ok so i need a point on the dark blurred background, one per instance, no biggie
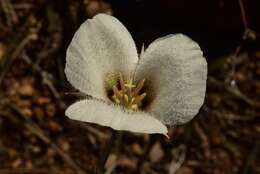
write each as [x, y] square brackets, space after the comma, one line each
[36, 137]
[216, 25]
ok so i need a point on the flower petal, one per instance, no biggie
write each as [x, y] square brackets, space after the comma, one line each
[114, 116]
[101, 45]
[176, 73]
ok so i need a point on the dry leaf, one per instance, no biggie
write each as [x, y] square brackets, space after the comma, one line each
[156, 154]
[184, 170]
[17, 163]
[137, 149]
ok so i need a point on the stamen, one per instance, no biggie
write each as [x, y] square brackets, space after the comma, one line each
[117, 101]
[140, 85]
[139, 98]
[129, 85]
[126, 98]
[122, 83]
[127, 94]
[117, 92]
[134, 107]
[132, 100]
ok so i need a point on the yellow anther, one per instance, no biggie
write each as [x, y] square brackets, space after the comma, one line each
[129, 85]
[132, 100]
[117, 101]
[127, 94]
[134, 107]
[126, 98]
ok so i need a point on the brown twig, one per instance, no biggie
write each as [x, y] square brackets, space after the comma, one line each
[238, 93]
[46, 79]
[234, 117]
[15, 54]
[235, 91]
[25, 171]
[251, 157]
[10, 14]
[22, 6]
[239, 47]
[90, 129]
[204, 139]
[243, 13]
[36, 130]
[95, 131]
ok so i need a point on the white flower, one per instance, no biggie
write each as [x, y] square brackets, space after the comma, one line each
[166, 86]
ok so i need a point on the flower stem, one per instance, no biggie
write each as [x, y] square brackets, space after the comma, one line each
[112, 149]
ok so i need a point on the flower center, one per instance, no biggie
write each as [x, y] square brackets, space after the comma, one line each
[127, 94]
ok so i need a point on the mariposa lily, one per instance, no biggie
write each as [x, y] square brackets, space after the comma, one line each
[163, 86]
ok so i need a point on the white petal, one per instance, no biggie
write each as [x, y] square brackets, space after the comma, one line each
[177, 71]
[101, 45]
[113, 116]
